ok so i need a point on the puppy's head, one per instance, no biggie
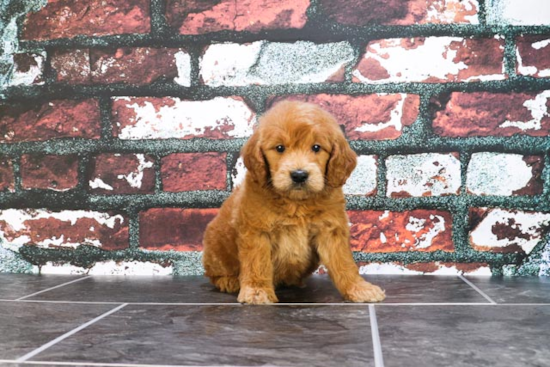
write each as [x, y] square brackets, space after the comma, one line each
[298, 150]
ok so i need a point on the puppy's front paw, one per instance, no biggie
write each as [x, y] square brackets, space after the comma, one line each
[257, 296]
[365, 292]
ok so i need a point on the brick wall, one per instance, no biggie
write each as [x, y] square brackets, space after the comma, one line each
[121, 123]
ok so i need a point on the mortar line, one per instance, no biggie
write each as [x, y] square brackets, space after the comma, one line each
[482, 13]
[68, 334]
[377, 345]
[477, 289]
[49, 289]
[133, 229]
[510, 58]
[17, 177]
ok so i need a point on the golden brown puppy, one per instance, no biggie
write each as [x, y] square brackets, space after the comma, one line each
[289, 214]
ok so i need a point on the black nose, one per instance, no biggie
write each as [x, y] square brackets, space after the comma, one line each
[299, 176]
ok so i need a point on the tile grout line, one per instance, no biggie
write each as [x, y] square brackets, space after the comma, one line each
[277, 304]
[49, 289]
[68, 334]
[477, 289]
[344, 304]
[377, 345]
[99, 364]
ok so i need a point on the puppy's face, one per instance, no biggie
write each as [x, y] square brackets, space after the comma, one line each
[297, 154]
[299, 150]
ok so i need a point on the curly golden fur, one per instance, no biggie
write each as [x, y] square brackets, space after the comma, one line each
[289, 214]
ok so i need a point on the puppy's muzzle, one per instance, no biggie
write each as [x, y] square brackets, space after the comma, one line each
[299, 176]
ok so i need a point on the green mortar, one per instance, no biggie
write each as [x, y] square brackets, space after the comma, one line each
[11, 262]
[417, 138]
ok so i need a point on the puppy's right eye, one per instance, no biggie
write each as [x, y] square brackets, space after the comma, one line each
[280, 148]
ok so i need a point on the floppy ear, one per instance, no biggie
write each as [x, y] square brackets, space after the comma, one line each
[254, 160]
[341, 163]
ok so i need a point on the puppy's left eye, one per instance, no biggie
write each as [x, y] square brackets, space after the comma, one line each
[316, 148]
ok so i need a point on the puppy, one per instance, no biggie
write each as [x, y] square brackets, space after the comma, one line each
[289, 214]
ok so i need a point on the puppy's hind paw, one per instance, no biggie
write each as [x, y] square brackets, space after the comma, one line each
[257, 296]
[365, 292]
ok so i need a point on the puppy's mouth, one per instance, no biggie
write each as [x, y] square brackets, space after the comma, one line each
[299, 192]
[302, 186]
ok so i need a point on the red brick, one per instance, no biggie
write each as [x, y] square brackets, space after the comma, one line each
[137, 118]
[205, 16]
[123, 65]
[399, 12]
[72, 66]
[165, 229]
[194, 171]
[65, 229]
[122, 174]
[505, 230]
[371, 116]
[497, 114]
[533, 54]
[431, 60]
[53, 172]
[7, 181]
[67, 19]
[53, 120]
[415, 230]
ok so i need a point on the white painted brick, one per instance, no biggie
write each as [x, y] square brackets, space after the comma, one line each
[523, 229]
[497, 173]
[386, 268]
[440, 269]
[30, 76]
[239, 172]
[266, 63]
[544, 269]
[17, 228]
[175, 118]
[449, 11]
[518, 12]
[363, 179]
[427, 60]
[108, 268]
[425, 174]
[183, 64]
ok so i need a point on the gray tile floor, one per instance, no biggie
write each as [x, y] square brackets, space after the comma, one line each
[182, 321]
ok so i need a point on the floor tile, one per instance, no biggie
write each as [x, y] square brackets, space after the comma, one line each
[399, 289]
[13, 286]
[224, 335]
[27, 326]
[426, 289]
[319, 289]
[464, 336]
[146, 289]
[514, 289]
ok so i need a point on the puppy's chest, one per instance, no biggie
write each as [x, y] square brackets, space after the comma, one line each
[290, 243]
